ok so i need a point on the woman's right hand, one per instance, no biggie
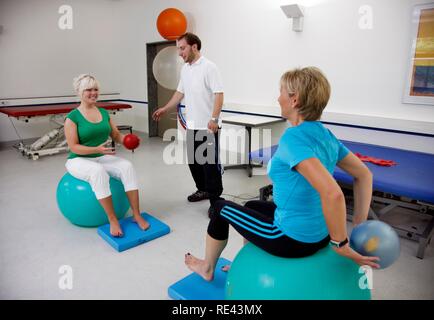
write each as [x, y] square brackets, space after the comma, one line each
[348, 252]
[104, 150]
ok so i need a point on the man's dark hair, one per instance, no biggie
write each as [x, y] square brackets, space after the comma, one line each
[191, 39]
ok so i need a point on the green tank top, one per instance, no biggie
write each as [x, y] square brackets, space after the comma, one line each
[90, 134]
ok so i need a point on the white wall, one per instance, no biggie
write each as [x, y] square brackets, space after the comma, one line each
[38, 59]
[250, 40]
[367, 68]
[355, 128]
[252, 43]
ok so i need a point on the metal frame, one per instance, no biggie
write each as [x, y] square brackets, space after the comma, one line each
[249, 165]
[389, 202]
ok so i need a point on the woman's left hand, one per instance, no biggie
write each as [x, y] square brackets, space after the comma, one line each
[348, 252]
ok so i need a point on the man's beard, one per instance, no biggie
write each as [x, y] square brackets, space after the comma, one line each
[190, 58]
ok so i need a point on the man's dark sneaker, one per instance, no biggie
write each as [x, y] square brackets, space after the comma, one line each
[198, 196]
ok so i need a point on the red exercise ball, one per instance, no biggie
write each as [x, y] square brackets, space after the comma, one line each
[171, 24]
[131, 141]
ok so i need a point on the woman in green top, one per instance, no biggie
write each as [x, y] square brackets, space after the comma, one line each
[87, 129]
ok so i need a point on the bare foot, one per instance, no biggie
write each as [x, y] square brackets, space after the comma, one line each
[115, 229]
[226, 268]
[143, 224]
[199, 266]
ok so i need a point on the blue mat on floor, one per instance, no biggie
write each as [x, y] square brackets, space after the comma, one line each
[133, 235]
[194, 287]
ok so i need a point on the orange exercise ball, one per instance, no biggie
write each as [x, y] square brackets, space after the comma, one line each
[171, 23]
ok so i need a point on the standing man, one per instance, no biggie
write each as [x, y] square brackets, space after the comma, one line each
[201, 86]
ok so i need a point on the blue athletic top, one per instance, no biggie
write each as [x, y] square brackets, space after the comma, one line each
[299, 214]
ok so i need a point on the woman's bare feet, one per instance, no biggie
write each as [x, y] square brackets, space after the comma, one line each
[143, 224]
[199, 266]
[115, 228]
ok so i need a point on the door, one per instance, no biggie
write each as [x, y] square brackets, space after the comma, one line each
[158, 95]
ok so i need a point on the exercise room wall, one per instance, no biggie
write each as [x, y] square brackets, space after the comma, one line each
[366, 67]
[252, 42]
[38, 59]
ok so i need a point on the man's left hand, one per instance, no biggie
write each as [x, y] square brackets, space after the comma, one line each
[212, 126]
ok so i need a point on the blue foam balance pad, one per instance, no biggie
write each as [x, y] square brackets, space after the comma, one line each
[133, 235]
[194, 287]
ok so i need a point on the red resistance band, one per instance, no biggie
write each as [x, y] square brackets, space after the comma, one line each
[380, 162]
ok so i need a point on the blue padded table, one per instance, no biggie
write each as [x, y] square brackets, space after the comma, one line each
[133, 235]
[408, 184]
[194, 287]
[412, 177]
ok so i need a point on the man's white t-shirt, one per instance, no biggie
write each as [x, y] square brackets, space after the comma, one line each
[199, 82]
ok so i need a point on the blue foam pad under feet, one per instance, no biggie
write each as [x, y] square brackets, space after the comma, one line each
[194, 287]
[133, 235]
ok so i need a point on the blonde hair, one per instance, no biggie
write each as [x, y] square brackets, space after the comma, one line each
[84, 82]
[313, 91]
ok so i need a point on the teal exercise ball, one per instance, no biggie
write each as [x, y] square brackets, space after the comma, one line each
[325, 275]
[79, 205]
[376, 238]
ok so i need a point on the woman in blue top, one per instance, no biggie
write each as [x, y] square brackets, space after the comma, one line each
[309, 209]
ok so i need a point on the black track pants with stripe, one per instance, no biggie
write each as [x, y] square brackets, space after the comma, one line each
[255, 222]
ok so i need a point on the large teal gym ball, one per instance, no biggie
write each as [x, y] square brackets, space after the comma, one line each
[325, 275]
[78, 203]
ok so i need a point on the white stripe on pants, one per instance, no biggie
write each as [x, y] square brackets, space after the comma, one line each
[97, 172]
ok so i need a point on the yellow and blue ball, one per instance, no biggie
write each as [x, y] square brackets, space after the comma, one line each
[376, 238]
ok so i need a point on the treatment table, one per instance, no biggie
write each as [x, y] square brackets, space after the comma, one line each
[53, 141]
[409, 184]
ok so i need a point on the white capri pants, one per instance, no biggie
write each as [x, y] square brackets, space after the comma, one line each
[97, 172]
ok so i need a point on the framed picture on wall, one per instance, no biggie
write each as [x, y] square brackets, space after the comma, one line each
[419, 87]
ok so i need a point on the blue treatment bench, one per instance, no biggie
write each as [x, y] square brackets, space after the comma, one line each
[409, 184]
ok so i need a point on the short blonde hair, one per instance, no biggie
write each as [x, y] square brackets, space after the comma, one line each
[84, 82]
[313, 91]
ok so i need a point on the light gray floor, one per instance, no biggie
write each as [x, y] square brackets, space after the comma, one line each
[36, 240]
